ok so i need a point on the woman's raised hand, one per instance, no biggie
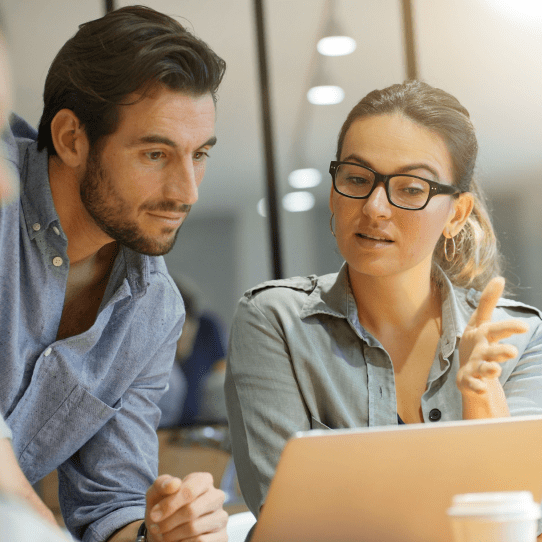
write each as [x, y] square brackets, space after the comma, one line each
[480, 352]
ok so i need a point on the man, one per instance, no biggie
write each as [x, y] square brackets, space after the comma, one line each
[89, 338]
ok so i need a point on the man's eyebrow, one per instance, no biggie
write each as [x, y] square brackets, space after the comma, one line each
[404, 169]
[162, 140]
[211, 142]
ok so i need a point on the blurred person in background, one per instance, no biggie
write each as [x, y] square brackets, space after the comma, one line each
[196, 385]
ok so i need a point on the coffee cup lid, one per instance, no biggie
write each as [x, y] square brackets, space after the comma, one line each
[505, 503]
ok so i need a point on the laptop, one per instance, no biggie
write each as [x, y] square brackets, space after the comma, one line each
[394, 484]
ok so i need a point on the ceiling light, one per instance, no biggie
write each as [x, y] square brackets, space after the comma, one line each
[296, 202]
[325, 95]
[305, 178]
[528, 8]
[336, 46]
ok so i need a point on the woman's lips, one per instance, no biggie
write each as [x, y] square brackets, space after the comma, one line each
[374, 237]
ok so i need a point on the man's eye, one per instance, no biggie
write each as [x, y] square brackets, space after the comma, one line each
[200, 156]
[154, 156]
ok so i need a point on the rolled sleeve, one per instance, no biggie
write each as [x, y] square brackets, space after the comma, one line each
[102, 486]
[523, 387]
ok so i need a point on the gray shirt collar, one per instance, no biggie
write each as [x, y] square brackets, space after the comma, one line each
[333, 296]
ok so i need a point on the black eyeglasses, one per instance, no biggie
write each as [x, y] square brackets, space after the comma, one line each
[403, 191]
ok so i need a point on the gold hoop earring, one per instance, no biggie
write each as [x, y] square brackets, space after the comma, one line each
[449, 258]
[331, 224]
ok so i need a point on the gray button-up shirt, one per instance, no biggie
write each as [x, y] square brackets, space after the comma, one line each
[299, 360]
[85, 404]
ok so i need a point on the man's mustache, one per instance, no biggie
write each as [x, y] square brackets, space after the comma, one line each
[167, 206]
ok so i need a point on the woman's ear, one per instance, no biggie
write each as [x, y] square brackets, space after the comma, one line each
[69, 138]
[331, 199]
[463, 205]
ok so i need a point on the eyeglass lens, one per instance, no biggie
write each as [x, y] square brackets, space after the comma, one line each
[404, 191]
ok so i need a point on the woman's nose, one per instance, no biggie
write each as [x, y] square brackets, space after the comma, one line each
[377, 204]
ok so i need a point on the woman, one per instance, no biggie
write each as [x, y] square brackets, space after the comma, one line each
[402, 333]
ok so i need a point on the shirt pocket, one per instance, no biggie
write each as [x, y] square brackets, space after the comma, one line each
[78, 418]
[316, 424]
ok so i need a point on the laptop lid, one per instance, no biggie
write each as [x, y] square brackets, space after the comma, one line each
[394, 484]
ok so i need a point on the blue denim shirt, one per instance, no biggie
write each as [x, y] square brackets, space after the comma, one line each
[299, 359]
[86, 404]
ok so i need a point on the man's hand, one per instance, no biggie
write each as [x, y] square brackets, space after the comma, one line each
[480, 352]
[189, 509]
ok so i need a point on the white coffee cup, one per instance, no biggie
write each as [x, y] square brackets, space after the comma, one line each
[509, 516]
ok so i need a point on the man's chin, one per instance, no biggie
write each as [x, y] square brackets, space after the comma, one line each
[151, 246]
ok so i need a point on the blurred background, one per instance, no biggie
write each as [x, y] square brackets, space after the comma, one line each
[488, 53]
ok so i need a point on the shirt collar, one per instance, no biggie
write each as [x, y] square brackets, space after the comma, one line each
[36, 196]
[137, 270]
[454, 320]
[333, 296]
[39, 208]
[329, 296]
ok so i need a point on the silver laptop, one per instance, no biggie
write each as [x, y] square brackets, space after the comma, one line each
[394, 484]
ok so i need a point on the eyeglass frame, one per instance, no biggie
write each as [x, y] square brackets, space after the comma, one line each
[435, 188]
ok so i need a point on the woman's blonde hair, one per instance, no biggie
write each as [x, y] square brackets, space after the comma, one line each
[476, 258]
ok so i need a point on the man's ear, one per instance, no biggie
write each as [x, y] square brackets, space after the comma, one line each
[69, 138]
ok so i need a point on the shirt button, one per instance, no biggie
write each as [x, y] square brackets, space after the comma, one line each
[48, 351]
[435, 414]
[56, 230]
[36, 226]
[57, 261]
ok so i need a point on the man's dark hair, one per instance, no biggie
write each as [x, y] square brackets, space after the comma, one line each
[130, 49]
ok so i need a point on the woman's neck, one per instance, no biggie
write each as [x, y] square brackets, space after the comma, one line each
[404, 302]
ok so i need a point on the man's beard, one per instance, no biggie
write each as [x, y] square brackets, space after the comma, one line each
[110, 211]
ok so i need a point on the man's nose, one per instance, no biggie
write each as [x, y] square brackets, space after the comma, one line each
[183, 184]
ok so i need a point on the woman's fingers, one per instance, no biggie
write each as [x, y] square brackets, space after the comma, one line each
[475, 376]
[465, 382]
[501, 330]
[488, 301]
[494, 352]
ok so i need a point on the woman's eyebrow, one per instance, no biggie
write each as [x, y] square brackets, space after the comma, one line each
[421, 165]
[405, 169]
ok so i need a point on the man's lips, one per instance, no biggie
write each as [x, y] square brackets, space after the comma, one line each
[375, 237]
[172, 218]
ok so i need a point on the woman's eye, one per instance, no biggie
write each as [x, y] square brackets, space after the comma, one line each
[358, 180]
[412, 190]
